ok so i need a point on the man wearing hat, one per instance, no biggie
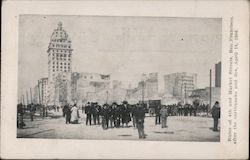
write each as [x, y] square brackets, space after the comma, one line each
[157, 115]
[164, 115]
[112, 114]
[140, 116]
[125, 113]
[104, 114]
[216, 115]
[67, 113]
[88, 114]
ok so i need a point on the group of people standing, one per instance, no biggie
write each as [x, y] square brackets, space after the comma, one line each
[161, 114]
[186, 110]
[108, 116]
[112, 115]
[71, 113]
[30, 110]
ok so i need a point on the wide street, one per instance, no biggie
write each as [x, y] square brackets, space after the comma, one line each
[179, 129]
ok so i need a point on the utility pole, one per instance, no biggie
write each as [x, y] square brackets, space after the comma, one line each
[181, 90]
[185, 92]
[210, 90]
[42, 93]
[23, 99]
[27, 97]
[107, 97]
[142, 92]
[38, 87]
[31, 100]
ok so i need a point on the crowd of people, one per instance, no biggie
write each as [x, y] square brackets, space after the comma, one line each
[108, 116]
[118, 115]
[182, 110]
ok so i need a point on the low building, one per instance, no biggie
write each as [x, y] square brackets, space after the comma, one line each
[89, 87]
[203, 95]
[43, 89]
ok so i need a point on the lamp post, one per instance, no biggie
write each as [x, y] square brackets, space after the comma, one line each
[107, 96]
[143, 86]
[210, 90]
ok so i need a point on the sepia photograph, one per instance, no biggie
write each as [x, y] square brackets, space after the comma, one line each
[119, 78]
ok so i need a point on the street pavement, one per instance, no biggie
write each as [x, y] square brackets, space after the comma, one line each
[179, 129]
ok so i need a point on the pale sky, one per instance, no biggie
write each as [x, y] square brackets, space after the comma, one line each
[124, 47]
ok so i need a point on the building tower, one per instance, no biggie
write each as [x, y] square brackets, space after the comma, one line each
[218, 74]
[59, 66]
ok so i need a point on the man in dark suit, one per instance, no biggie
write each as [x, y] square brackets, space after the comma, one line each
[216, 115]
[88, 113]
[67, 113]
[140, 116]
[157, 115]
[93, 111]
[20, 113]
[98, 108]
[104, 114]
[125, 113]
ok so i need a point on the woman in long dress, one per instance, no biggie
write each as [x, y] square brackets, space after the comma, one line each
[74, 114]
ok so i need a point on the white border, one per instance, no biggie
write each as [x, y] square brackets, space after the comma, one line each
[48, 148]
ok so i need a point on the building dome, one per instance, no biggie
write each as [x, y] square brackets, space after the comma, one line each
[59, 34]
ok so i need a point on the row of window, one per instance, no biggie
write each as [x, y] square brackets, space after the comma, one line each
[58, 35]
[59, 40]
[61, 67]
[59, 45]
[60, 55]
[57, 50]
[91, 77]
[65, 70]
[54, 76]
[61, 59]
[60, 32]
[61, 63]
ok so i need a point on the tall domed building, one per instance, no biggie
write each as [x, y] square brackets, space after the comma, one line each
[59, 66]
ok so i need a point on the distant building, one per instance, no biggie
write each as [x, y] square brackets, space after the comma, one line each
[203, 95]
[147, 89]
[59, 66]
[218, 74]
[119, 94]
[89, 87]
[151, 86]
[180, 84]
[43, 87]
[116, 84]
[35, 95]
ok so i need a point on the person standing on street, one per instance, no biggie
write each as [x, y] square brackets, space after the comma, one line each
[98, 107]
[111, 114]
[164, 116]
[64, 110]
[74, 114]
[20, 113]
[157, 115]
[133, 115]
[88, 114]
[104, 115]
[140, 116]
[67, 113]
[125, 113]
[94, 112]
[32, 111]
[216, 115]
